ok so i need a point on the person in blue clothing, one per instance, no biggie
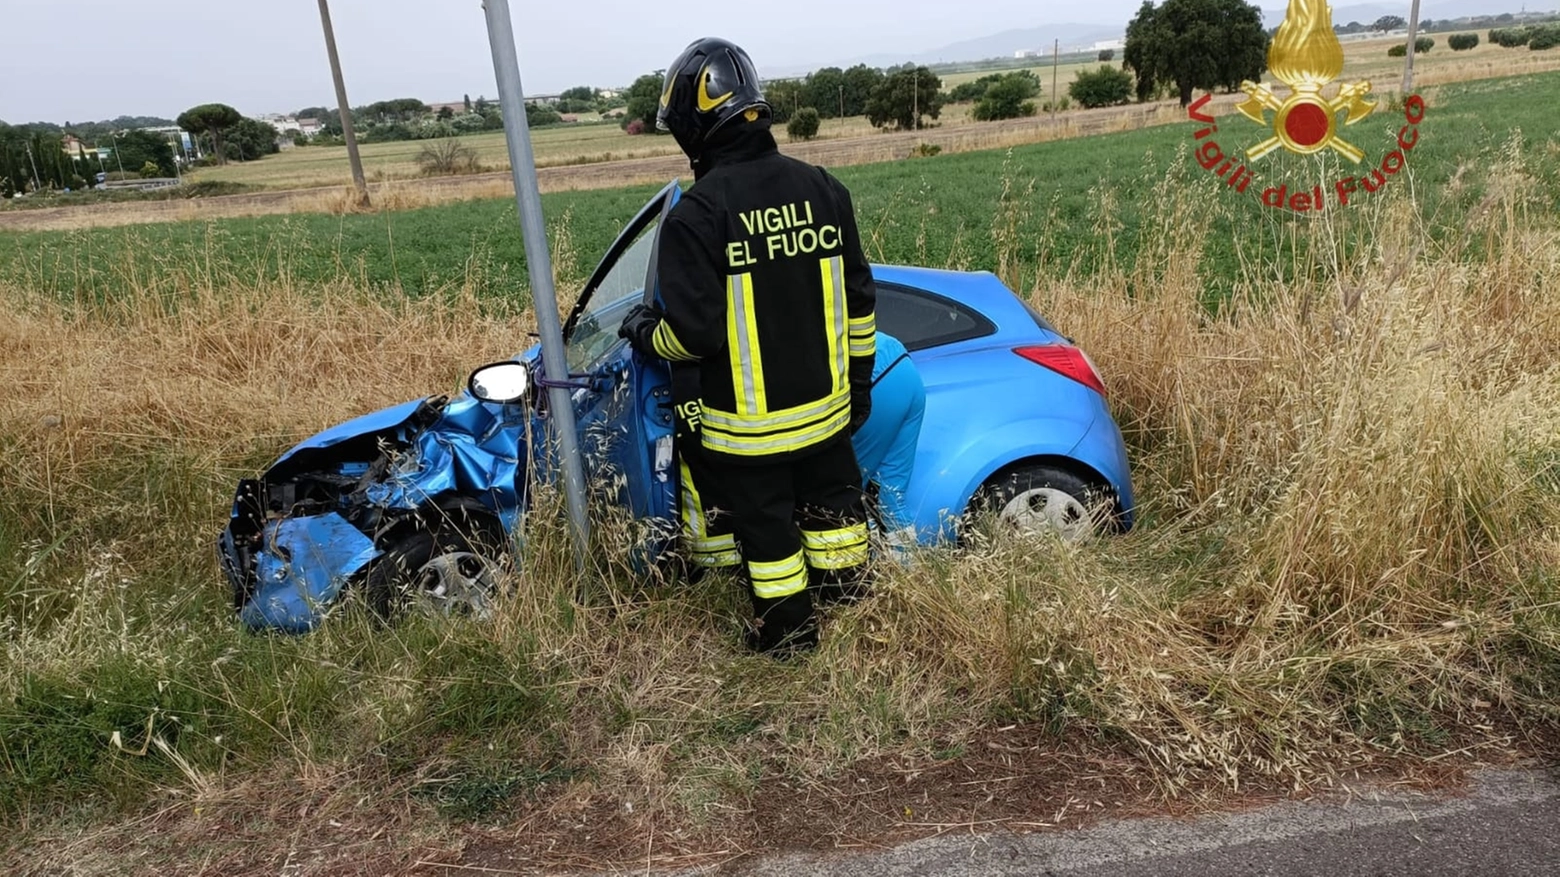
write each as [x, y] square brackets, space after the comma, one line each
[885, 445]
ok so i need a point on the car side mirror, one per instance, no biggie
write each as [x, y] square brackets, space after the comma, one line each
[500, 382]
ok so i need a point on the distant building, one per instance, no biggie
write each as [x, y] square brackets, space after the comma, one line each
[74, 147]
[1105, 45]
[1024, 53]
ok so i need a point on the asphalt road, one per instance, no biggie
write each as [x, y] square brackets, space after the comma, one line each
[1508, 823]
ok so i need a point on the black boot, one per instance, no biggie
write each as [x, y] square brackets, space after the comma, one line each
[783, 627]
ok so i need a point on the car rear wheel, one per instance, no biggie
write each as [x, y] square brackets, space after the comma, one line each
[448, 560]
[1036, 499]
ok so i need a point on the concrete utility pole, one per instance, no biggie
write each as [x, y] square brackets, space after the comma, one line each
[1408, 57]
[528, 199]
[346, 109]
[1056, 59]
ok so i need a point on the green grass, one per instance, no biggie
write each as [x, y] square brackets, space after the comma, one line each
[1213, 638]
[935, 211]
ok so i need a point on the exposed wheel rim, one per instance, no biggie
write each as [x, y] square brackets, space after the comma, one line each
[1048, 510]
[457, 583]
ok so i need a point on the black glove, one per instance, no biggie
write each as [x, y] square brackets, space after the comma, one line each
[639, 325]
[784, 626]
[860, 406]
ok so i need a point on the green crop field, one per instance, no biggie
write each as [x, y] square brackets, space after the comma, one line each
[1344, 435]
[935, 211]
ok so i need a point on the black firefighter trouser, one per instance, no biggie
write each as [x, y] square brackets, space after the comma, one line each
[800, 526]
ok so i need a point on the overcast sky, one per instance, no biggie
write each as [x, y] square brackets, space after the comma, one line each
[85, 60]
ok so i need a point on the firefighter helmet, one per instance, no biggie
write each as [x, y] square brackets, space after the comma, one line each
[712, 82]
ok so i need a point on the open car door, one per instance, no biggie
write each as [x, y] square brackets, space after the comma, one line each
[623, 406]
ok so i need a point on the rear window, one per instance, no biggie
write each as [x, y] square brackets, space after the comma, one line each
[920, 319]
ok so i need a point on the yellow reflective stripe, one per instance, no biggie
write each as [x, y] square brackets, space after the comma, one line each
[833, 269]
[716, 559]
[747, 364]
[866, 325]
[867, 347]
[801, 415]
[778, 578]
[667, 345]
[793, 440]
[715, 551]
[836, 549]
[692, 506]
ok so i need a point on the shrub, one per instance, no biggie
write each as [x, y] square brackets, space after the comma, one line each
[1544, 38]
[1107, 54]
[446, 157]
[1423, 45]
[150, 171]
[1462, 42]
[635, 126]
[1511, 37]
[803, 124]
[1104, 87]
[925, 150]
[1397, 51]
[1007, 99]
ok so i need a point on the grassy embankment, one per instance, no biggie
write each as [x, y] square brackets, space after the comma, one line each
[1349, 465]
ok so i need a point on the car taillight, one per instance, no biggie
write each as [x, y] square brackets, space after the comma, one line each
[1065, 360]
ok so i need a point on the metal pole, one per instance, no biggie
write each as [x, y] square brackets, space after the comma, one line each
[1056, 56]
[1408, 57]
[347, 133]
[528, 200]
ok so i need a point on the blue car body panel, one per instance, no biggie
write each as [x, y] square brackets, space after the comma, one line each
[382, 421]
[306, 563]
[987, 409]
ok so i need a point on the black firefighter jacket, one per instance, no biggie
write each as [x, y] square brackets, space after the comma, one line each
[766, 288]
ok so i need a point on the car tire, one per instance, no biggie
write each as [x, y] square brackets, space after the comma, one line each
[1037, 498]
[448, 560]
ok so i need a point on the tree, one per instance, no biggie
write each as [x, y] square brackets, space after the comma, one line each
[1104, 87]
[784, 97]
[644, 99]
[1387, 23]
[1107, 54]
[860, 81]
[803, 124]
[583, 93]
[904, 97]
[448, 156]
[467, 99]
[313, 113]
[1462, 42]
[536, 116]
[136, 148]
[213, 119]
[250, 139]
[446, 114]
[824, 90]
[1195, 44]
[1423, 45]
[1008, 98]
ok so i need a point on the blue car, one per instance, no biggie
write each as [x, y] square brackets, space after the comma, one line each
[421, 502]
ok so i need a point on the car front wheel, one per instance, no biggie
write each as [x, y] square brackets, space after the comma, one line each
[1036, 499]
[446, 561]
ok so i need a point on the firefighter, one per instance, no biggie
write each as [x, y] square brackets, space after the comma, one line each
[765, 287]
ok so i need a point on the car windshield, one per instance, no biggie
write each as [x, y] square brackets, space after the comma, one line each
[596, 331]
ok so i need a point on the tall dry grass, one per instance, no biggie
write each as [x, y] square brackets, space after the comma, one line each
[1347, 546]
